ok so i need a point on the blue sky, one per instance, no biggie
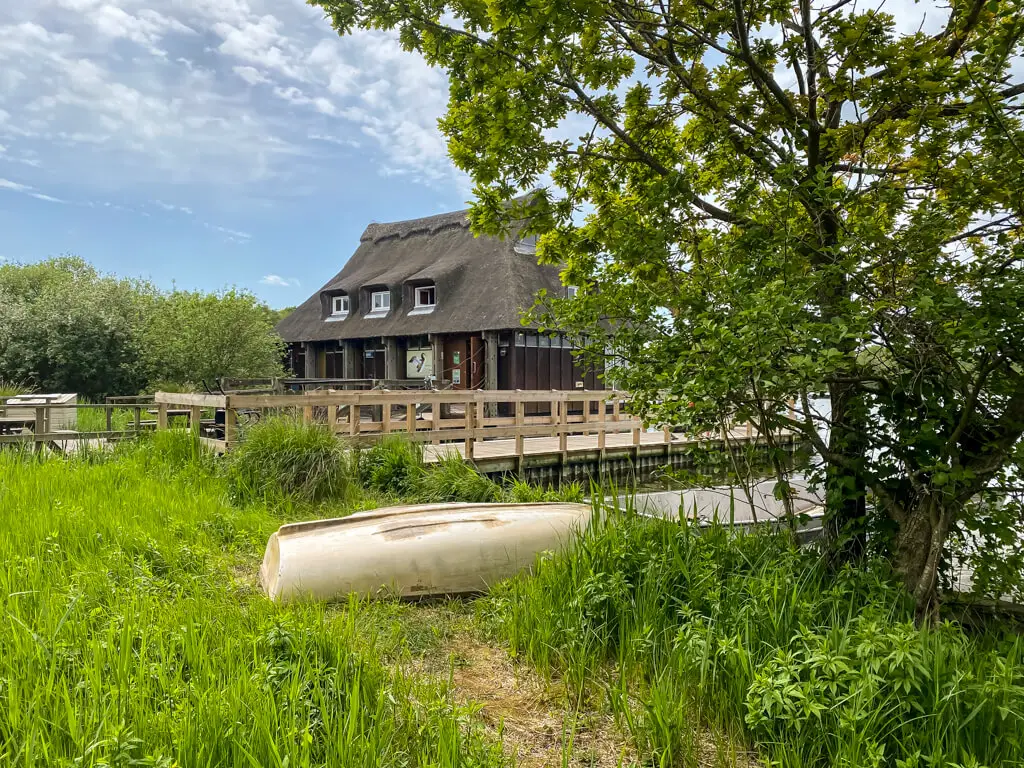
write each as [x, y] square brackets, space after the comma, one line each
[207, 143]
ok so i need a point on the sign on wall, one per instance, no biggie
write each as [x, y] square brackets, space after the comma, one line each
[419, 363]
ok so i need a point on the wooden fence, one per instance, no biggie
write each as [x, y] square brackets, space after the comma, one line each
[468, 417]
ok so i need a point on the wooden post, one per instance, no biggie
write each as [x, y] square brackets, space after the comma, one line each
[385, 419]
[41, 428]
[230, 424]
[616, 404]
[470, 429]
[520, 419]
[109, 411]
[195, 416]
[636, 435]
[161, 416]
[563, 435]
[435, 422]
[354, 416]
[668, 433]
[307, 414]
[410, 418]
[138, 418]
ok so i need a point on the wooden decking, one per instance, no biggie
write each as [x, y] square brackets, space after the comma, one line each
[486, 450]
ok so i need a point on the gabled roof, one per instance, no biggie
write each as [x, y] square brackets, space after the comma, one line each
[482, 283]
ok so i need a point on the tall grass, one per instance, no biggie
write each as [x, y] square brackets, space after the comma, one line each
[133, 635]
[394, 465]
[283, 458]
[754, 635]
[9, 388]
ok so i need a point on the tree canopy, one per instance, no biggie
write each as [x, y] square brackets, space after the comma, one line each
[768, 200]
[64, 327]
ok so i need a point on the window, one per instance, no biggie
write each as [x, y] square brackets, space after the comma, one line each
[571, 291]
[425, 296]
[381, 301]
[339, 305]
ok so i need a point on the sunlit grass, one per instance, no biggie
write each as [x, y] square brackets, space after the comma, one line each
[134, 634]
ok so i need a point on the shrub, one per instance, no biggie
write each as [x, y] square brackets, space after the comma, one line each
[452, 479]
[282, 458]
[394, 465]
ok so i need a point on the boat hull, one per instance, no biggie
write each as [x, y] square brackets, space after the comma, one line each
[414, 551]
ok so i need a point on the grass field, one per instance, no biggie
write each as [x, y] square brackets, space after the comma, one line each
[134, 634]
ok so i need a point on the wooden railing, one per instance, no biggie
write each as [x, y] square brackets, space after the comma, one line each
[432, 416]
[39, 423]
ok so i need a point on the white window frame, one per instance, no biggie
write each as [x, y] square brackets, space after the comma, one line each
[385, 302]
[571, 291]
[420, 305]
[341, 311]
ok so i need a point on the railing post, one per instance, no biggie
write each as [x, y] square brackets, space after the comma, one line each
[138, 418]
[41, 428]
[354, 416]
[161, 416]
[230, 424]
[410, 418]
[470, 429]
[195, 417]
[109, 411]
[563, 434]
[435, 421]
[385, 419]
[520, 419]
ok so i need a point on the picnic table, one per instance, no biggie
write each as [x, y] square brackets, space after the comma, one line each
[10, 425]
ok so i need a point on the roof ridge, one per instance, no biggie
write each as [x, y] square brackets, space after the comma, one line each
[424, 225]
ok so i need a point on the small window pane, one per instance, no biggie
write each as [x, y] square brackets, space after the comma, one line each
[381, 301]
[571, 291]
[425, 296]
[340, 305]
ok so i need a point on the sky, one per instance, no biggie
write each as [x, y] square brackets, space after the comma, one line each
[208, 143]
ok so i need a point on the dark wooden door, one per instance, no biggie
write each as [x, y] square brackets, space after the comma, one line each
[477, 359]
[373, 364]
[456, 363]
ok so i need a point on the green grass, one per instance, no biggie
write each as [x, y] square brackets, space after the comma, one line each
[134, 635]
[283, 459]
[754, 636]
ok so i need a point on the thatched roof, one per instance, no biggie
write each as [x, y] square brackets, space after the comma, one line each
[482, 283]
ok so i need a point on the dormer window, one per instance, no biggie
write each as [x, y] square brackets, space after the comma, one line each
[425, 297]
[380, 301]
[571, 291]
[339, 306]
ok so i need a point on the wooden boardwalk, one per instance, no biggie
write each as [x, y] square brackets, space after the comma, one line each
[487, 450]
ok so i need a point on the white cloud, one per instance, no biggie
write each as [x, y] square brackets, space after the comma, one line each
[278, 281]
[174, 208]
[233, 234]
[251, 75]
[13, 185]
[120, 93]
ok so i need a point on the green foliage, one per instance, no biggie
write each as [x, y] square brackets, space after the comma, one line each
[64, 327]
[393, 465]
[762, 201]
[518, 491]
[285, 459]
[816, 668]
[10, 388]
[452, 479]
[130, 639]
[197, 337]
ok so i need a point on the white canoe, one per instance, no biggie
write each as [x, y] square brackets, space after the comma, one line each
[414, 551]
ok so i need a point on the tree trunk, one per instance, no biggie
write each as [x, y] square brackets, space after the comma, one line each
[919, 547]
[845, 489]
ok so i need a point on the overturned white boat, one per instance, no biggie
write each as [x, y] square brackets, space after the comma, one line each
[414, 551]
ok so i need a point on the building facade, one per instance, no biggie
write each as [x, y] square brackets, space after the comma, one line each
[425, 299]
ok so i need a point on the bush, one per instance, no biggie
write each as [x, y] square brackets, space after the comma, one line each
[394, 465]
[452, 479]
[282, 458]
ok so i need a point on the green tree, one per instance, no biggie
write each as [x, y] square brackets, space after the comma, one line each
[64, 327]
[768, 200]
[194, 337]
